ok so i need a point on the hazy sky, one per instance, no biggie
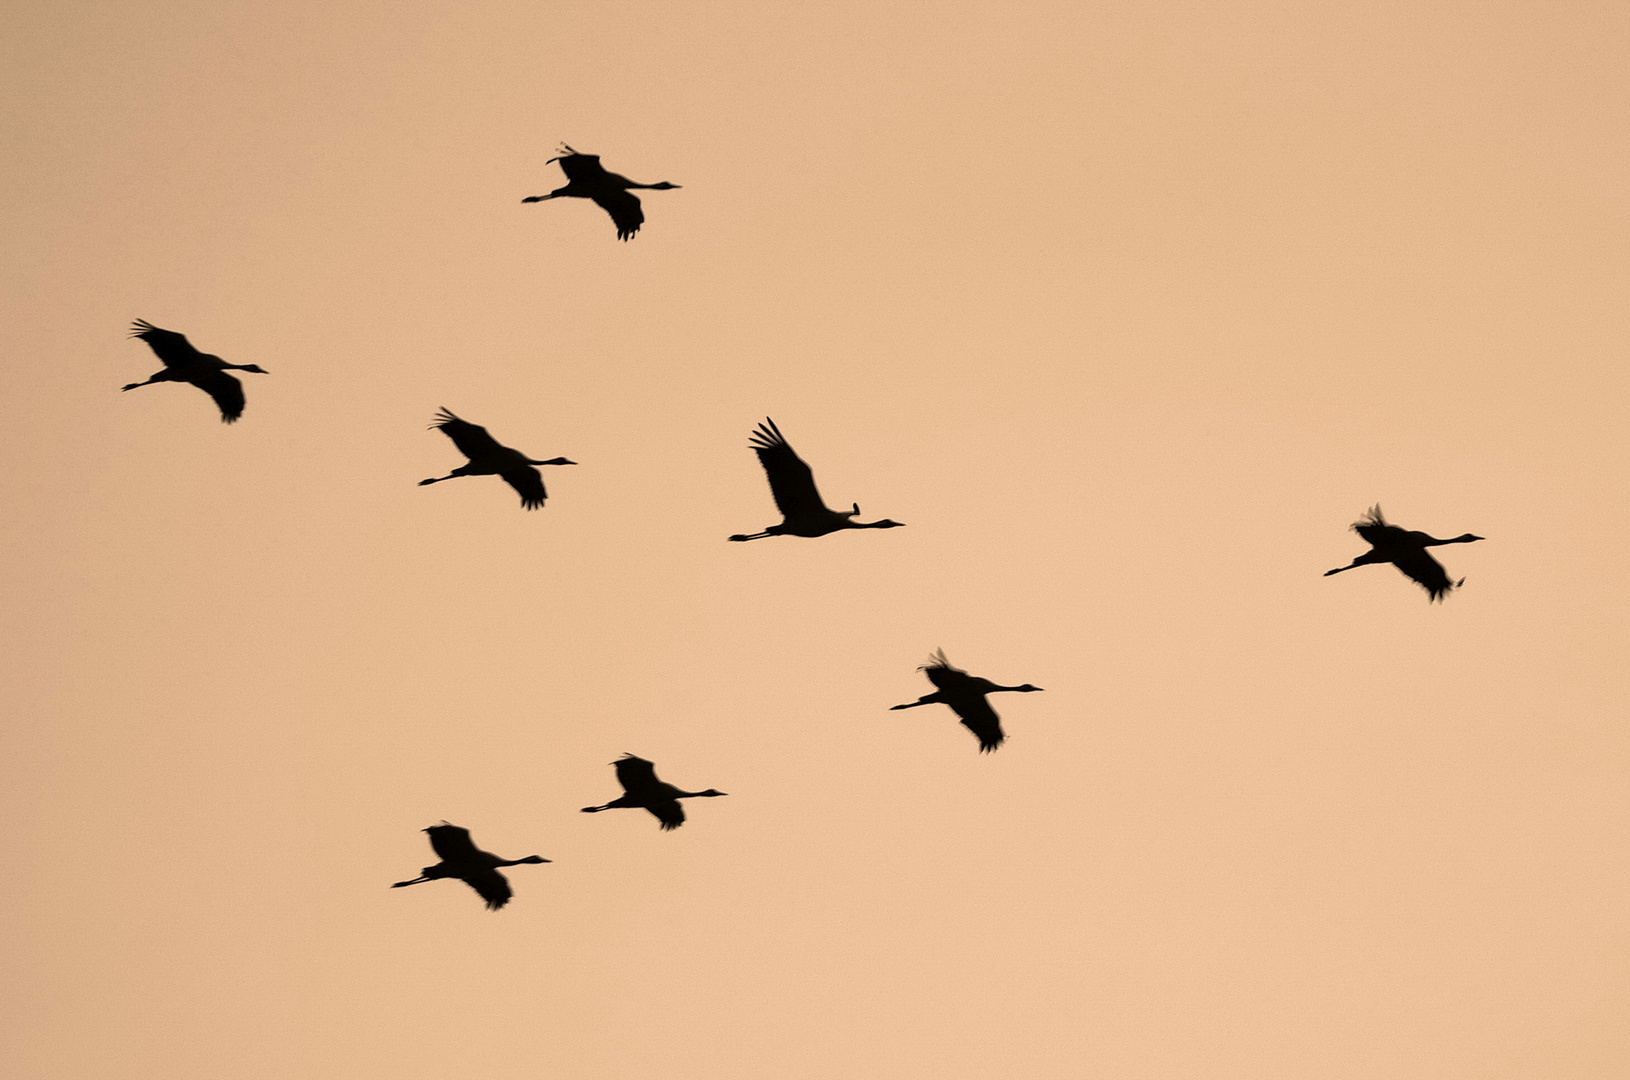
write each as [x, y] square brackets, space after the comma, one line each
[1126, 309]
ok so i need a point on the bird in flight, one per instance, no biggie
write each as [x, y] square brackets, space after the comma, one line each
[965, 694]
[183, 363]
[586, 178]
[803, 513]
[488, 457]
[461, 859]
[641, 788]
[1407, 551]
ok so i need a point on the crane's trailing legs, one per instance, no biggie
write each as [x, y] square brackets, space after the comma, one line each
[1366, 559]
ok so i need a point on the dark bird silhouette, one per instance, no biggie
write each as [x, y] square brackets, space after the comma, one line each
[586, 178]
[183, 363]
[461, 859]
[803, 512]
[488, 457]
[1407, 551]
[641, 788]
[965, 694]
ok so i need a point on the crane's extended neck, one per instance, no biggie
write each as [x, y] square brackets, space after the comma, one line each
[1463, 538]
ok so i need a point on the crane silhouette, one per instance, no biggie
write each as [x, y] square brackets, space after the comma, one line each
[461, 859]
[965, 694]
[1407, 551]
[489, 457]
[184, 363]
[586, 178]
[641, 788]
[803, 512]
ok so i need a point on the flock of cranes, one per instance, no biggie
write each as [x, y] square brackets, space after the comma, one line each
[803, 513]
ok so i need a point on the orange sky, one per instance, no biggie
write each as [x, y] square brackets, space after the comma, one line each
[1126, 309]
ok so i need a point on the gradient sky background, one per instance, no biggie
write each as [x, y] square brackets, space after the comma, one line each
[1126, 309]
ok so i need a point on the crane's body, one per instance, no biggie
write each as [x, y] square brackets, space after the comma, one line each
[184, 363]
[489, 457]
[586, 178]
[1406, 550]
[965, 695]
[461, 859]
[792, 483]
[642, 790]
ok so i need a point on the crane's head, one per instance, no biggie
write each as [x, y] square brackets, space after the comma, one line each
[1027, 689]
[256, 368]
[663, 186]
[710, 793]
[533, 859]
[552, 461]
[1466, 538]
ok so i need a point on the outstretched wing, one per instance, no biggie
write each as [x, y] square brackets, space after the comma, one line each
[978, 717]
[226, 390]
[529, 483]
[791, 481]
[1375, 529]
[670, 813]
[452, 843]
[472, 440]
[172, 348]
[943, 675]
[624, 208]
[636, 774]
[582, 168]
[493, 887]
[1425, 571]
